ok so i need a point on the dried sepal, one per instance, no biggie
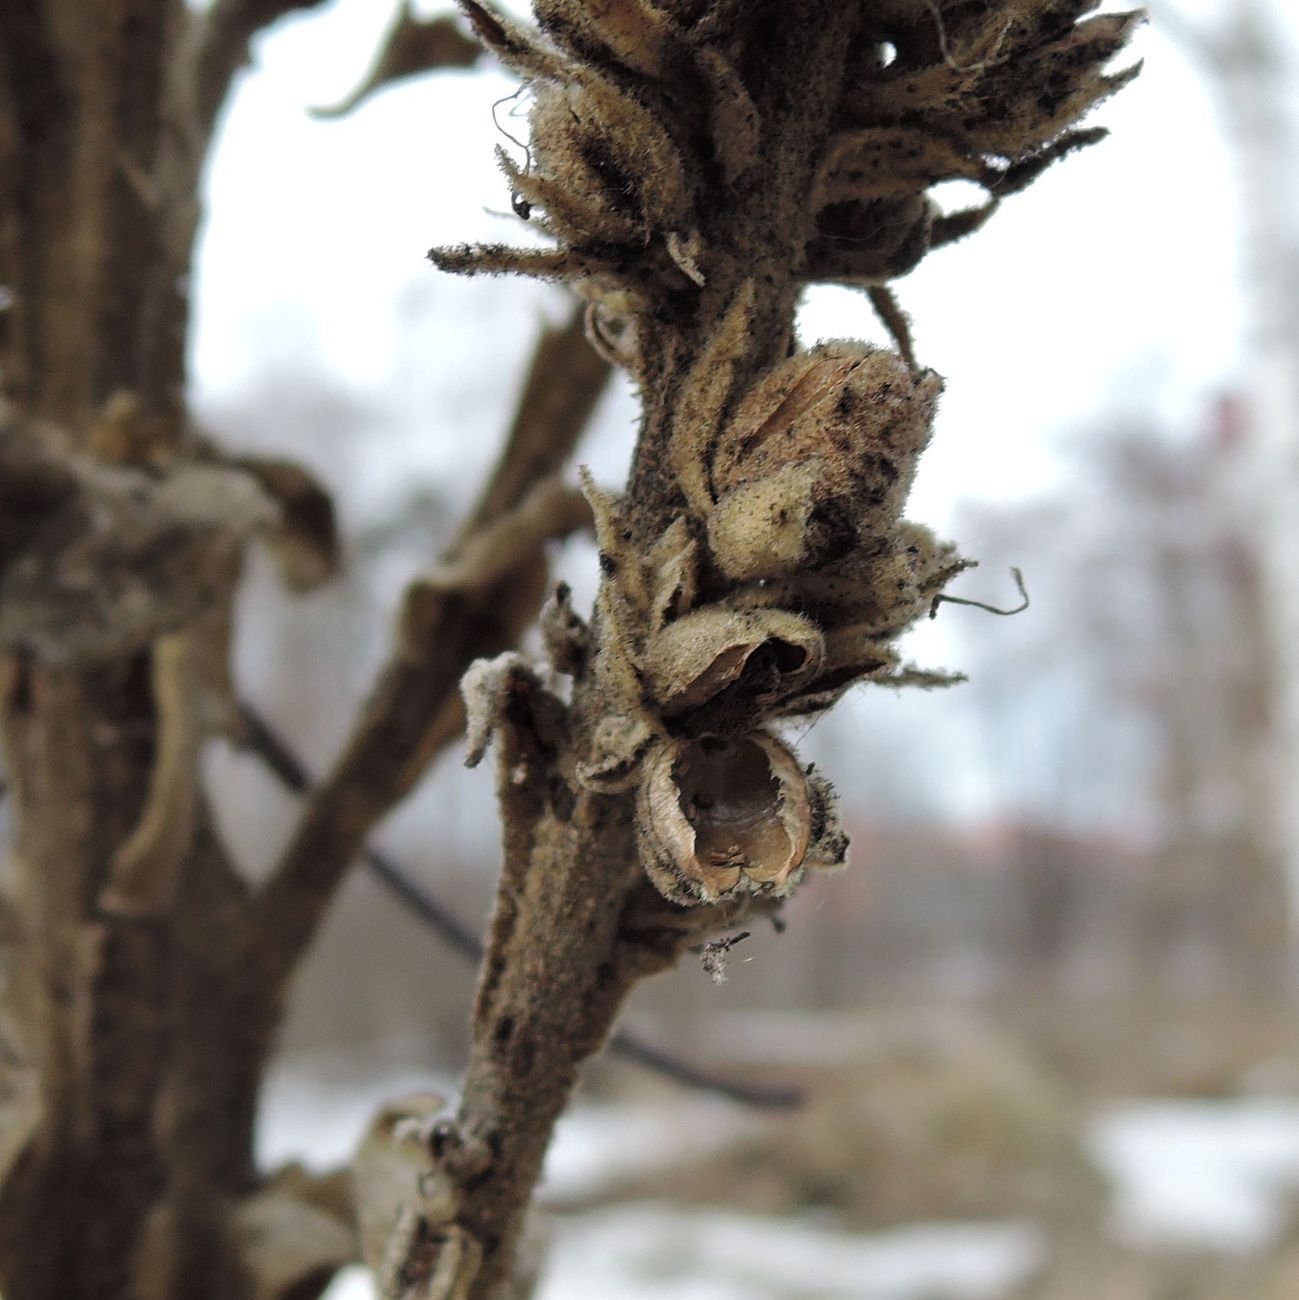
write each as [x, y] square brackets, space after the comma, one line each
[565, 634]
[624, 597]
[872, 241]
[568, 155]
[733, 117]
[813, 404]
[692, 660]
[520, 48]
[568, 264]
[852, 656]
[953, 226]
[882, 587]
[569, 211]
[862, 603]
[974, 92]
[723, 816]
[607, 516]
[1006, 78]
[1019, 175]
[880, 162]
[1056, 84]
[925, 679]
[828, 849]
[765, 528]
[674, 573]
[638, 142]
[595, 137]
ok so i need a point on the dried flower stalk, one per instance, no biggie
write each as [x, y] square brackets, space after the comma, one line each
[698, 162]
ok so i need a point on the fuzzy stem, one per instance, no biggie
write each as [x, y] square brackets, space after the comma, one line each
[561, 956]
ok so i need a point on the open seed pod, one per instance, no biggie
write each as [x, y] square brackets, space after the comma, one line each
[696, 657]
[718, 816]
[820, 454]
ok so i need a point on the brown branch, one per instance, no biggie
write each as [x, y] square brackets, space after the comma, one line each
[411, 46]
[273, 749]
[221, 49]
[442, 632]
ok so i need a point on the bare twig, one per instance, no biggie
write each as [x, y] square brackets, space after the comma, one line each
[500, 259]
[895, 320]
[271, 747]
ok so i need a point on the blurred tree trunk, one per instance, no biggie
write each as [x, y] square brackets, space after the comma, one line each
[1250, 70]
[130, 1080]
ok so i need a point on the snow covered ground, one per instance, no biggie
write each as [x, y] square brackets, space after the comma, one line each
[654, 1251]
[660, 1251]
[1204, 1175]
[1217, 1176]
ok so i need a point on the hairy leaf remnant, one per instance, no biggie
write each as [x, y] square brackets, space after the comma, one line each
[698, 163]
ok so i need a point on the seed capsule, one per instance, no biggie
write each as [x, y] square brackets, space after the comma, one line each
[818, 456]
[723, 815]
[698, 656]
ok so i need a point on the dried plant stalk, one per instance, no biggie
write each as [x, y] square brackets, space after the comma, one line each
[698, 163]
